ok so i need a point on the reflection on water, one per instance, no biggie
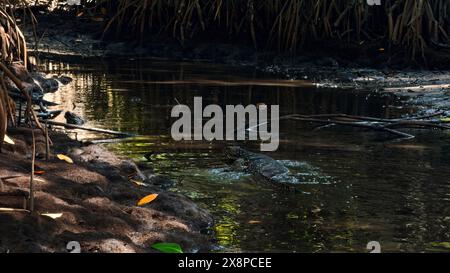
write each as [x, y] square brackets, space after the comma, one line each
[354, 186]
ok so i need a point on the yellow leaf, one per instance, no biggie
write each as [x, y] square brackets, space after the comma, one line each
[53, 215]
[253, 222]
[80, 14]
[65, 158]
[445, 119]
[8, 140]
[39, 172]
[147, 199]
[139, 183]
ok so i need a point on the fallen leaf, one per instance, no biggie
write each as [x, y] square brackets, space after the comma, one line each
[139, 183]
[147, 199]
[445, 119]
[254, 222]
[39, 172]
[80, 14]
[53, 215]
[168, 247]
[65, 158]
[8, 140]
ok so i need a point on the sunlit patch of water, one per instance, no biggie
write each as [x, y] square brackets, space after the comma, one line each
[353, 186]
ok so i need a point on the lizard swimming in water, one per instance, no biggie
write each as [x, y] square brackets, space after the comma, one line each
[259, 164]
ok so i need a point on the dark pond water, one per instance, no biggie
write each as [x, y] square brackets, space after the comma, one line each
[354, 186]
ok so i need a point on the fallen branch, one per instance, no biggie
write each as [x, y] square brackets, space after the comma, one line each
[73, 126]
[376, 126]
[33, 159]
[13, 210]
[416, 124]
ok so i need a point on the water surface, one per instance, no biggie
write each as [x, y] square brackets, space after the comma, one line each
[354, 186]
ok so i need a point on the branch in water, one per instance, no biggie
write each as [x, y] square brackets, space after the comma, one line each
[375, 124]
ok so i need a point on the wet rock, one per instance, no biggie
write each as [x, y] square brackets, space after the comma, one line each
[27, 82]
[63, 79]
[49, 114]
[129, 167]
[73, 118]
[147, 175]
[47, 84]
[161, 181]
[33, 89]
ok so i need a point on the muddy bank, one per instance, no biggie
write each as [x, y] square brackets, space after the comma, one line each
[97, 199]
[63, 35]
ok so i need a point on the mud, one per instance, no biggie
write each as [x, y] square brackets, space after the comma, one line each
[97, 200]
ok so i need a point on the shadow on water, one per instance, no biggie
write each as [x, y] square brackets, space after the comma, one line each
[355, 186]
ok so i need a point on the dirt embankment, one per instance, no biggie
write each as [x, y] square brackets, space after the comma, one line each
[97, 200]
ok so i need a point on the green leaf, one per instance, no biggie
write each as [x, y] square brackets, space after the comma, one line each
[440, 245]
[445, 119]
[168, 247]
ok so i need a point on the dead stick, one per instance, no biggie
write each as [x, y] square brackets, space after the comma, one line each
[33, 156]
[73, 126]
[378, 127]
[347, 117]
[47, 144]
[13, 210]
[416, 123]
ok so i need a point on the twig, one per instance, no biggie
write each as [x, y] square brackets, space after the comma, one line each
[345, 116]
[371, 126]
[413, 124]
[47, 144]
[33, 156]
[13, 210]
[73, 126]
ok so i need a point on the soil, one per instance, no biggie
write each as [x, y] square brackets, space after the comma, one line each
[97, 200]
